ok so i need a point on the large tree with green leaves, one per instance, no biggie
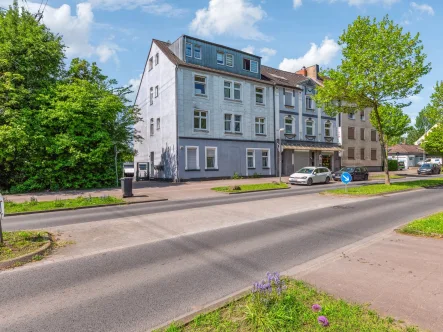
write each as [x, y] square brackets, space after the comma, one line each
[394, 123]
[423, 122]
[381, 65]
[433, 142]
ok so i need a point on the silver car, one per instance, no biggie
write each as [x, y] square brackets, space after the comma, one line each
[310, 175]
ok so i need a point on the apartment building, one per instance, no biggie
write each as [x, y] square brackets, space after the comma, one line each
[207, 111]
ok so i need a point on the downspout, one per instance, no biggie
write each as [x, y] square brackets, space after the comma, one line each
[276, 126]
[176, 126]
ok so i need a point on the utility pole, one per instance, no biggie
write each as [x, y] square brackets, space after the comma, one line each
[116, 171]
[2, 213]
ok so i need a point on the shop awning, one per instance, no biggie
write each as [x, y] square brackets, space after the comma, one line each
[302, 147]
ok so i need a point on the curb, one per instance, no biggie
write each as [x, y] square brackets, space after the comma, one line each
[25, 258]
[83, 207]
[325, 193]
[256, 191]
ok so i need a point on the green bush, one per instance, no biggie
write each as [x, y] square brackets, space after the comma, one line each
[236, 176]
[392, 165]
[256, 176]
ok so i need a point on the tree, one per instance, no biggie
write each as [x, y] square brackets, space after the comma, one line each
[433, 142]
[423, 122]
[394, 123]
[381, 65]
[434, 110]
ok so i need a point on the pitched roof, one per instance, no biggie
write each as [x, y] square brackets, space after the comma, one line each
[281, 77]
[164, 47]
[405, 149]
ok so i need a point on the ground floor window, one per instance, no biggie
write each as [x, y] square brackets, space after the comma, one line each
[265, 158]
[192, 162]
[211, 158]
[251, 158]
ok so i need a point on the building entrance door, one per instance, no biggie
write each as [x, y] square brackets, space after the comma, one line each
[327, 161]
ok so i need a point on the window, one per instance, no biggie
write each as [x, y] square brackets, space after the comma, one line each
[265, 159]
[351, 116]
[220, 58]
[228, 119]
[310, 127]
[189, 50]
[237, 123]
[309, 103]
[151, 127]
[288, 125]
[260, 126]
[362, 153]
[211, 158]
[157, 59]
[362, 115]
[232, 90]
[151, 95]
[200, 120]
[156, 91]
[373, 135]
[259, 95]
[373, 154]
[229, 60]
[200, 85]
[192, 158]
[328, 127]
[151, 63]
[158, 123]
[288, 97]
[251, 158]
[197, 52]
[250, 65]
[362, 134]
[351, 153]
[351, 133]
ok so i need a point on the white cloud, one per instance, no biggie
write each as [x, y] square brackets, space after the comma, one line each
[249, 49]
[424, 8]
[360, 3]
[322, 55]
[156, 7]
[164, 9]
[231, 17]
[135, 83]
[297, 3]
[266, 53]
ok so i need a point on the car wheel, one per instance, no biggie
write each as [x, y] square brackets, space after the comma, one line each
[327, 180]
[309, 182]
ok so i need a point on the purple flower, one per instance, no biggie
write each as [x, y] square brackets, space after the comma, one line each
[316, 307]
[323, 320]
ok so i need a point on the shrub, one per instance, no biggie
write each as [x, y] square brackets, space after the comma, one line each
[236, 176]
[392, 165]
[256, 176]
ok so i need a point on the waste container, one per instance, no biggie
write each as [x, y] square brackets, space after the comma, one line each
[126, 187]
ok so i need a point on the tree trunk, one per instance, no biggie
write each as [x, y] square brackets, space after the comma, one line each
[383, 144]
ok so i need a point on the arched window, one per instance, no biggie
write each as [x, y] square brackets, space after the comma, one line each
[328, 129]
[310, 127]
[289, 121]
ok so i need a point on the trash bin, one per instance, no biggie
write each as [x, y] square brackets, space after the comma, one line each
[126, 187]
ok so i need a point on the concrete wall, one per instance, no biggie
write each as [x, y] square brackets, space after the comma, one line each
[163, 141]
[231, 158]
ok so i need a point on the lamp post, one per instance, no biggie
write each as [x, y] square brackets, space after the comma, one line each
[279, 131]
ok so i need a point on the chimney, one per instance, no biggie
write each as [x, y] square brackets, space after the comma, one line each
[302, 71]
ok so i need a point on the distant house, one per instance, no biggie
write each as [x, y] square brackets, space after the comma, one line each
[410, 154]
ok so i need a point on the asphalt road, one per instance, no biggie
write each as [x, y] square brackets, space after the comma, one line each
[137, 288]
[52, 219]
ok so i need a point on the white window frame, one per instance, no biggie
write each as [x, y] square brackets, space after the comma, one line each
[268, 151]
[235, 121]
[312, 127]
[151, 95]
[206, 157]
[292, 124]
[151, 127]
[197, 157]
[223, 57]
[206, 85]
[364, 115]
[351, 116]
[263, 95]
[186, 50]
[226, 60]
[285, 91]
[157, 58]
[250, 66]
[253, 158]
[200, 117]
[156, 91]
[232, 90]
[158, 123]
[151, 63]
[310, 104]
[260, 124]
[200, 51]
[230, 123]
[330, 128]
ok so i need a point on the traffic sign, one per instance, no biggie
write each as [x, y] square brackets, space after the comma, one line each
[346, 177]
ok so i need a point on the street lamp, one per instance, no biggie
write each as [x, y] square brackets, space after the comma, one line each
[279, 131]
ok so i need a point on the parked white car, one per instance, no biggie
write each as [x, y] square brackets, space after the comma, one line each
[310, 175]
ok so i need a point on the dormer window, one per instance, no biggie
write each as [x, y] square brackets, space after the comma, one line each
[229, 60]
[189, 50]
[197, 52]
[250, 65]
[220, 58]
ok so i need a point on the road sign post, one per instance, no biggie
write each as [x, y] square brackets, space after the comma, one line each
[346, 178]
[2, 213]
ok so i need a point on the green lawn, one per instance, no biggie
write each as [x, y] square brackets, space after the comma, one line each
[251, 187]
[21, 243]
[382, 176]
[291, 311]
[376, 189]
[35, 205]
[431, 226]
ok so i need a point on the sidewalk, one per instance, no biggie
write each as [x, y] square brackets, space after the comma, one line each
[399, 276]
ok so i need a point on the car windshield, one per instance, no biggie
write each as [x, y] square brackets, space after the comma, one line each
[426, 166]
[305, 170]
[347, 169]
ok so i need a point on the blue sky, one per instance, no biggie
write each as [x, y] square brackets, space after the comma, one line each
[286, 33]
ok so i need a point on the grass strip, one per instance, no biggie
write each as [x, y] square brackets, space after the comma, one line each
[251, 187]
[291, 310]
[431, 226]
[16, 244]
[382, 176]
[35, 205]
[377, 189]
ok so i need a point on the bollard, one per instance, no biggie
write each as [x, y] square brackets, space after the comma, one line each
[126, 184]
